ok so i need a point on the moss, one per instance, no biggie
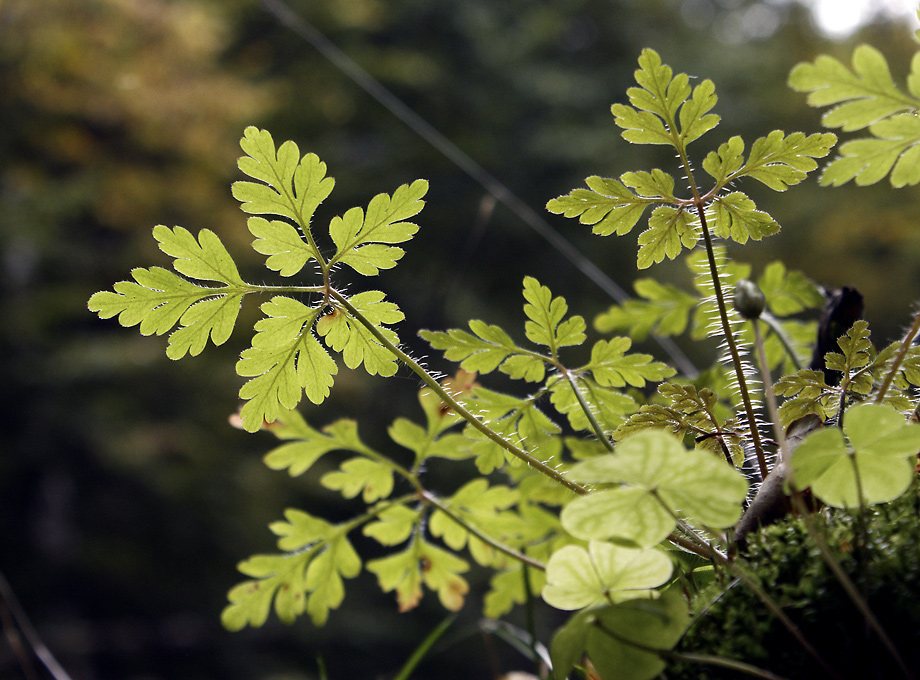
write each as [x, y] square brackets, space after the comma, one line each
[789, 567]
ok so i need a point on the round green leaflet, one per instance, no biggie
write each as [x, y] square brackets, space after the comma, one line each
[880, 444]
[658, 479]
[602, 574]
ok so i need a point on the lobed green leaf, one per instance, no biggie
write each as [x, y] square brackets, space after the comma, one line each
[606, 203]
[661, 309]
[866, 94]
[360, 236]
[546, 313]
[356, 342]
[611, 366]
[735, 217]
[603, 574]
[284, 362]
[669, 231]
[291, 186]
[308, 445]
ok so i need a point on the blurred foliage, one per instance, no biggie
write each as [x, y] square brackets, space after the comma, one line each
[127, 499]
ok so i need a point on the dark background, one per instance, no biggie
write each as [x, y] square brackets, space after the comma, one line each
[126, 498]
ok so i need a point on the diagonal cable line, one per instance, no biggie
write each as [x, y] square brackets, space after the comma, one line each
[287, 17]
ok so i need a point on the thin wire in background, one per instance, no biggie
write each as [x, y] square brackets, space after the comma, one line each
[501, 193]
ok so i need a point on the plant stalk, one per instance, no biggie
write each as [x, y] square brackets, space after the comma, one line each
[454, 404]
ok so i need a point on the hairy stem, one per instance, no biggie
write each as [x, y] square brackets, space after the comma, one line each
[454, 404]
[598, 430]
[898, 360]
[732, 345]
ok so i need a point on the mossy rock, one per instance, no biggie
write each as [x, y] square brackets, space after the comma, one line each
[790, 569]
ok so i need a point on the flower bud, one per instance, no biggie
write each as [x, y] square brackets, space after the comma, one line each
[749, 300]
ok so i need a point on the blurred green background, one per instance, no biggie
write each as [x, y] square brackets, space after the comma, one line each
[126, 498]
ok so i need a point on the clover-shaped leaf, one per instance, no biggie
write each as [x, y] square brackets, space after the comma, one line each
[880, 445]
[604, 573]
[659, 479]
[621, 640]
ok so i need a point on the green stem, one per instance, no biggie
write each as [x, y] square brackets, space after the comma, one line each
[775, 326]
[598, 431]
[453, 403]
[769, 394]
[485, 538]
[848, 586]
[896, 365]
[732, 346]
[731, 664]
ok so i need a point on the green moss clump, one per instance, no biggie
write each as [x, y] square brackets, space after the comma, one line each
[789, 567]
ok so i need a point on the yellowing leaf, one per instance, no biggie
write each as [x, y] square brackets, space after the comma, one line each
[422, 562]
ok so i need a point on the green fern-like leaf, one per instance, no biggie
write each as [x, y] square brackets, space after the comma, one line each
[659, 308]
[307, 445]
[806, 392]
[546, 313]
[307, 579]
[613, 367]
[355, 341]
[606, 204]
[361, 237]
[373, 479]
[653, 116]
[866, 97]
[285, 361]
[288, 185]
[158, 300]
[670, 230]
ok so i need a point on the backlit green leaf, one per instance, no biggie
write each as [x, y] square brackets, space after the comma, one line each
[286, 249]
[669, 231]
[865, 95]
[894, 149]
[394, 525]
[356, 343]
[360, 236]
[736, 217]
[661, 309]
[285, 360]
[780, 161]
[603, 574]
[613, 367]
[308, 445]
[694, 484]
[307, 579]
[546, 314]
[788, 292]
[372, 479]
[606, 203]
[290, 186]
[881, 450]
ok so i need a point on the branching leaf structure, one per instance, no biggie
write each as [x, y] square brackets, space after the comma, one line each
[866, 97]
[666, 110]
[588, 535]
